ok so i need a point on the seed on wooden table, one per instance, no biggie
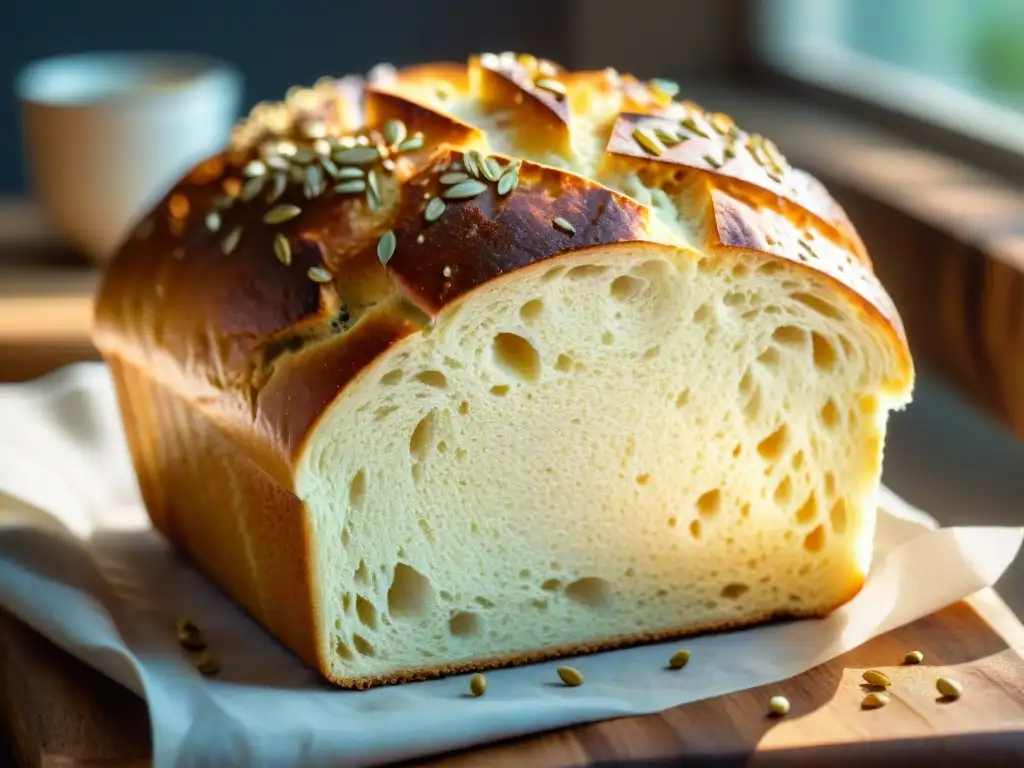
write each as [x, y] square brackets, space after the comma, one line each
[477, 684]
[914, 657]
[189, 635]
[229, 243]
[570, 676]
[874, 700]
[351, 172]
[282, 249]
[874, 677]
[318, 275]
[281, 213]
[564, 225]
[207, 664]
[949, 687]
[356, 156]
[348, 187]
[778, 706]
[679, 659]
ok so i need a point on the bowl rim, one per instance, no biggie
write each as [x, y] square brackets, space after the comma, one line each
[34, 83]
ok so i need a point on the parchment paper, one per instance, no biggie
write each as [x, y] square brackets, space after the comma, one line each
[79, 562]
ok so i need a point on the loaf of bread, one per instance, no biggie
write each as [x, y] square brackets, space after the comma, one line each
[469, 366]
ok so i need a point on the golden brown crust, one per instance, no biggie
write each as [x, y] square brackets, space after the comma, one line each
[254, 292]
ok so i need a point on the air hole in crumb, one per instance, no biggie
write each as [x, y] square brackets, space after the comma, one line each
[643, 479]
[463, 408]
[563, 363]
[819, 305]
[445, 595]
[442, 447]
[808, 511]
[363, 646]
[837, 516]
[343, 650]
[830, 484]
[824, 353]
[783, 491]
[434, 379]
[516, 356]
[804, 569]
[539, 604]
[499, 390]
[384, 411]
[734, 298]
[815, 540]
[771, 447]
[770, 268]
[790, 335]
[410, 593]
[797, 461]
[847, 346]
[695, 529]
[868, 404]
[740, 270]
[769, 358]
[357, 490]
[683, 398]
[586, 270]
[525, 573]
[745, 510]
[624, 287]
[710, 503]
[630, 573]
[737, 450]
[795, 599]
[531, 309]
[483, 602]
[752, 408]
[366, 612]
[703, 313]
[652, 353]
[747, 382]
[552, 274]
[706, 266]
[391, 377]
[592, 591]
[422, 436]
[465, 624]
[830, 414]
[551, 585]
[710, 604]
[346, 602]
[653, 270]
[362, 574]
[672, 522]
[607, 338]
[734, 590]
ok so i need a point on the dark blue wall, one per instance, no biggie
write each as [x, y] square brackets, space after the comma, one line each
[275, 43]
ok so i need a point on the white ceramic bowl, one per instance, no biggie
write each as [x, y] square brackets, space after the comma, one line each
[106, 134]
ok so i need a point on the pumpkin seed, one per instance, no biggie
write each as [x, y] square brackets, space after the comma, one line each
[949, 687]
[302, 155]
[213, 221]
[314, 185]
[350, 172]
[328, 165]
[667, 136]
[223, 202]
[411, 144]
[282, 249]
[471, 161]
[453, 178]
[229, 243]
[434, 209]
[277, 163]
[648, 141]
[712, 162]
[778, 706]
[874, 677]
[564, 225]
[669, 87]
[394, 132]
[386, 247]
[679, 659]
[281, 213]
[508, 182]
[491, 168]
[251, 188]
[372, 187]
[318, 275]
[357, 156]
[874, 700]
[570, 676]
[206, 664]
[722, 123]
[914, 657]
[691, 125]
[477, 684]
[277, 188]
[464, 190]
[551, 85]
[348, 187]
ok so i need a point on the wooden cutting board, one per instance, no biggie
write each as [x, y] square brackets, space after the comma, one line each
[56, 712]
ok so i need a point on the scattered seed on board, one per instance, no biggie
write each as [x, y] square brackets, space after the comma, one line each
[386, 247]
[679, 659]
[949, 687]
[350, 172]
[464, 190]
[874, 677]
[356, 156]
[206, 664]
[318, 275]
[189, 636]
[434, 209]
[570, 676]
[565, 226]
[350, 186]
[251, 188]
[874, 700]
[914, 657]
[229, 243]
[213, 221]
[277, 187]
[477, 684]
[491, 168]
[447, 271]
[411, 144]
[778, 706]
[420, 239]
[281, 213]
[551, 86]
[282, 249]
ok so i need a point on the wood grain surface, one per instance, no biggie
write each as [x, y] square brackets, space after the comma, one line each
[57, 712]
